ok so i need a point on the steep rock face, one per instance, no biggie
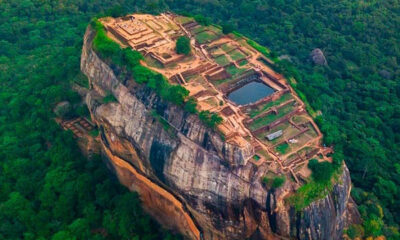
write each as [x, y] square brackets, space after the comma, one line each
[188, 177]
[334, 209]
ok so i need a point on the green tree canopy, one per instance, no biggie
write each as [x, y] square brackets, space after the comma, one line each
[321, 171]
[227, 28]
[183, 45]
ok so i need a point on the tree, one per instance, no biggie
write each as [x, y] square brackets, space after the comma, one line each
[48, 190]
[227, 28]
[190, 105]
[116, 11]
[355, 230]
[210, 119]
[16, 214]
[386, 190]
[321, 171]
[200, 19]
[176, 94]
[142, 74]
[63, 235]
[183, 45]
[80, 228]
[373, 226]
[355, 103]
[132, 57]
[274, 182]
[278, 181]
[102, 44]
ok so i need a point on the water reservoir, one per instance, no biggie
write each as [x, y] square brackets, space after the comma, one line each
[249, 93]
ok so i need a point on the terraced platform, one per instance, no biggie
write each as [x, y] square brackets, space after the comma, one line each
[268, 114]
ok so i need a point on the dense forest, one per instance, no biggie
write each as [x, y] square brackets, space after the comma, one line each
[49, 191]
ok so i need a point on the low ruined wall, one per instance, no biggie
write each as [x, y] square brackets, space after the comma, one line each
[278, 121]
[240, 82]
[274, 96]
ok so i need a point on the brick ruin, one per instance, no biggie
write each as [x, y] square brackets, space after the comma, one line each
[218, 65]
[79, 126]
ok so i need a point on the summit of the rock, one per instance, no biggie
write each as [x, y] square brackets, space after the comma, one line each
[208, 180]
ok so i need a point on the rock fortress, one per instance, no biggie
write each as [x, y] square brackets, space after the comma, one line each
[210, 183]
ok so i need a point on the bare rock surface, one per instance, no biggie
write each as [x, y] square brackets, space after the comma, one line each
[62, 108]
[318, 57]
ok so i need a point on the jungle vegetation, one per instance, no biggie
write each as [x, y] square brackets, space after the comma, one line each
[183, 45]
[356, 97]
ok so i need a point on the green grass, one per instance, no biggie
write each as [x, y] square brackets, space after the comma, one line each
[242, 70]
[183, 20]
[205, 37]
[273, 181]
[236, 55]
[109, 98]
[222, 60]
[265, 107]
[243, 62]
[211, 101]
[199, 29]
[233, 70]
[256, 157]
[282, 148]
[264, 154]
[263, 121]
[312, 191]
[227, 47]
[299, 119]
[312, 131]
[308, 193]
[165, 124]
[237, 36]
[265, 62]
[219, 82]
[192, 77]
[153, 62]
[216, 52]
[215, 28]
[172, 26]
[265, 51]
